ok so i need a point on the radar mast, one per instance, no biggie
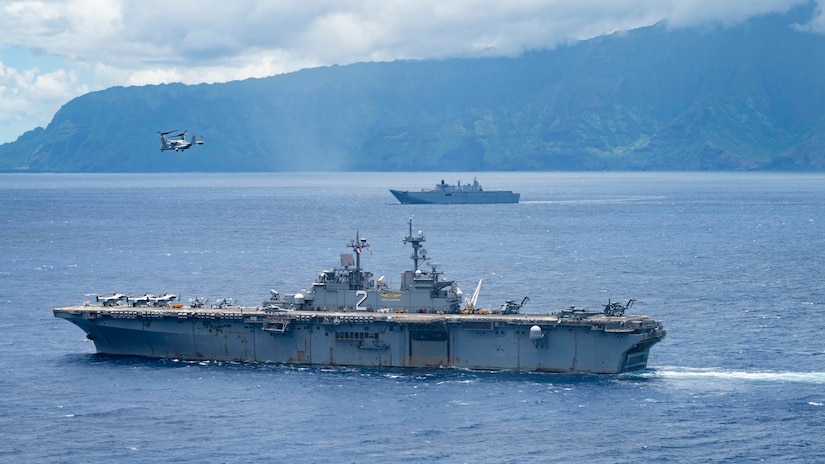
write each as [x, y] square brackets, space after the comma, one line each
[358, 245]
[416, 244]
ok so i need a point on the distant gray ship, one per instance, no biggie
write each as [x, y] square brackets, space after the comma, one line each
[446, 194]
[349, 318]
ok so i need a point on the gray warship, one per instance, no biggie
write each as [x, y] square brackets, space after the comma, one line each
[447, 194]
[348, 318]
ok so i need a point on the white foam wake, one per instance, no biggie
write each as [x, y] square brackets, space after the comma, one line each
[749, 376]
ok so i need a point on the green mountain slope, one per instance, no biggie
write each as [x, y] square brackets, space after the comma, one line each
[745, 97]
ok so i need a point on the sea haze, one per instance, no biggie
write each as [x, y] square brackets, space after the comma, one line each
[731, 262]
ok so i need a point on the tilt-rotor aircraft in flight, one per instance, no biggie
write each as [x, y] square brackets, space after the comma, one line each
[172, 142]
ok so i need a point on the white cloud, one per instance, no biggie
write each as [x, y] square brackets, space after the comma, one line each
[51, 89]
[102, 43]
[817, 23]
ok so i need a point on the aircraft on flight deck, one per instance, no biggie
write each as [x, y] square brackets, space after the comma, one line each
[111, 300]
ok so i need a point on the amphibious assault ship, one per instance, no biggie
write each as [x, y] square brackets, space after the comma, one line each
[445, 194]
[349, 318]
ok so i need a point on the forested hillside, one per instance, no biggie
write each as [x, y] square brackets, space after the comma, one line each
[749, 96]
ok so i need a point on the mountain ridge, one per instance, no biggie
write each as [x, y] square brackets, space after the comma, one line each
[745, 97]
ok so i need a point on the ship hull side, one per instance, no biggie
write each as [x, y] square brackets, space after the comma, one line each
[441, 198]
[363, 341]
[561, 349]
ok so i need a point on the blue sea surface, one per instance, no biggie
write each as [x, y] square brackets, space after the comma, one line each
[730, 262]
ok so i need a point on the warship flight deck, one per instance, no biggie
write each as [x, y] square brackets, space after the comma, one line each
[350, 319]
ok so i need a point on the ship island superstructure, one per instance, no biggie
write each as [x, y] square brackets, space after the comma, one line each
[348, 318]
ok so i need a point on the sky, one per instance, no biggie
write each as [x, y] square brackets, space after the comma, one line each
[54, 51]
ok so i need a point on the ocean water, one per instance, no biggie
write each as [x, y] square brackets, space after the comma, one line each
[731, 262]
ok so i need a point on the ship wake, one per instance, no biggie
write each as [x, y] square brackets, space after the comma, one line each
[733, 375]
